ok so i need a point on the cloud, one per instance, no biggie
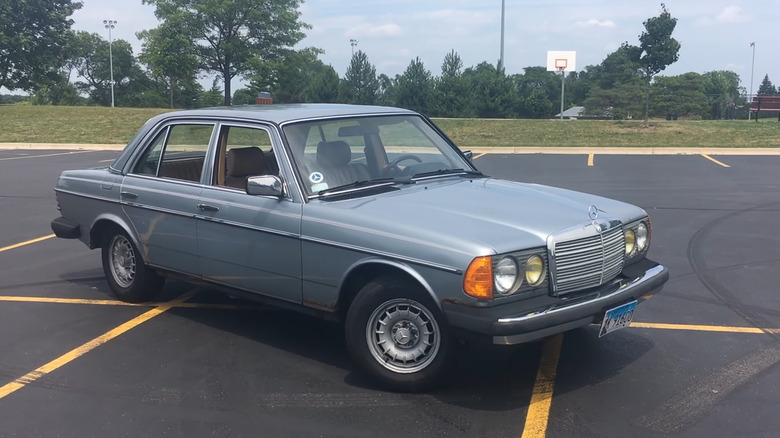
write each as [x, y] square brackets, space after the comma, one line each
[368, 30]
[595, 23]
[729, 15]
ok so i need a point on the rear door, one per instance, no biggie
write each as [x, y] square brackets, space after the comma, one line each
[160, 194]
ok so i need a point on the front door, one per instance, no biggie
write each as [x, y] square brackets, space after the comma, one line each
[248, 242]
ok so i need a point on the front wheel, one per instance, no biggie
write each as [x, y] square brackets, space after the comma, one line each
[127, 275]
[396, 335]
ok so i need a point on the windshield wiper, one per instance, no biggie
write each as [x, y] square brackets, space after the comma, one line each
[439, 172]
[361, 185]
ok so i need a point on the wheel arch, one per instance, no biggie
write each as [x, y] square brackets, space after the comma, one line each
[362, 272]
[105, 222]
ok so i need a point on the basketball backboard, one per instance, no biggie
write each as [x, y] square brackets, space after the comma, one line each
[561, 61]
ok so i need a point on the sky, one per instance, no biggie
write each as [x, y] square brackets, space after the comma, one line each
[714, 34]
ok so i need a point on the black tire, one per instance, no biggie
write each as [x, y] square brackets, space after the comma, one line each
[417, 352]
[127, 275]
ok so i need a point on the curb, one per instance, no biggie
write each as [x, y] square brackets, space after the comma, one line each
[505, 150]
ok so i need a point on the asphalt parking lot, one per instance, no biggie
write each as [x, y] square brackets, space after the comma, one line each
[700, 360]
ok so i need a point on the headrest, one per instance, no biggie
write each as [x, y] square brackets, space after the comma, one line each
[246, 162]
[333, 153]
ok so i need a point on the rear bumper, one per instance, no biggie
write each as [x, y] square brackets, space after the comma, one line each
[65, 229]
[515, 323]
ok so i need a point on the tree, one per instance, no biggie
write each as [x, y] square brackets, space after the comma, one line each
[324, 86]
[90, 58]
[766, 88]
[414, 89]
[360, 84]
[543, 85]
[621, 102]
[226, 35]
[538, 105]
[492, 93]
[32, 36]
[659, 49]
[450, 89]
[170, 57]
[288, 77]
[721, 88]
[388, 88]
[679, 95]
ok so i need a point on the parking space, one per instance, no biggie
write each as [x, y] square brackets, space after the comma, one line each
[701, 359]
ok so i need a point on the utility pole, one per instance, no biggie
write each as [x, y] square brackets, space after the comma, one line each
[110, 25]
[353, 43]
[752, 67]
[503, 11]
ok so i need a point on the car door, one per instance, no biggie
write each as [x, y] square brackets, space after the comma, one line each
[160, 195]
[249, 242]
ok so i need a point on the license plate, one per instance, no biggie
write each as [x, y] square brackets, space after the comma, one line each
[617, 318]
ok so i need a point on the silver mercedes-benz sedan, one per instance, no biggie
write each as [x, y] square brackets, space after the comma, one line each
[366, 215]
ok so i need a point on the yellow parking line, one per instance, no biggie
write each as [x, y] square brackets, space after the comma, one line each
[77, 352]
[541, 400]
[44, 155]
[590, 159]
[704, 328]
[478, 155]
[714, 160]
[17, 245]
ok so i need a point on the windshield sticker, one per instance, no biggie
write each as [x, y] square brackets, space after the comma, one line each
[319, 187]
[316, 177]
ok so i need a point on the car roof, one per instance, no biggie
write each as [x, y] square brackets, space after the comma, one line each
[282, 113]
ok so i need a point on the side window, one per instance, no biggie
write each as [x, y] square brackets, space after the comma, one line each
[178, 152]
[244, 152]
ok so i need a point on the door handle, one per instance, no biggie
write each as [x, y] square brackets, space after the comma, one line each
[206, 207]
[129, 195]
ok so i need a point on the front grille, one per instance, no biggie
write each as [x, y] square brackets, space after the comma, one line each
[589, 261]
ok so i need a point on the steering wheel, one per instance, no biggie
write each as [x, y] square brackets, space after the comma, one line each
[392, 167]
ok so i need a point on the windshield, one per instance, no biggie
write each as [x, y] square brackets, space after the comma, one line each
[349, 152]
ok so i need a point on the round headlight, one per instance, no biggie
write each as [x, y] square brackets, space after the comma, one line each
[534, 270]
[505, 275]
[630, 242]
[641, 236]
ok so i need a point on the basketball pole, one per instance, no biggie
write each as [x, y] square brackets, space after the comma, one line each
[563, 85]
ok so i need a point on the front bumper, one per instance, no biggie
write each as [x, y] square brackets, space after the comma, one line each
[515, 323]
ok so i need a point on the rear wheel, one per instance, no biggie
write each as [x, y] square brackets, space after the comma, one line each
[398, 336]
[127, 275]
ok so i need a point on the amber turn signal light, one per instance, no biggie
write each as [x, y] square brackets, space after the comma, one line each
[478, 281]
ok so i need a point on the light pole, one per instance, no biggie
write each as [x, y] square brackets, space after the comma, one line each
[501, 59]
[752, 68]
[353, 43]
[110, 25]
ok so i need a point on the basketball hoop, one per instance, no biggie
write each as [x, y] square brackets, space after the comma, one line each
[561, 64]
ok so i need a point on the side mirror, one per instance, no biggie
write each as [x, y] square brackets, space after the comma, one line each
[266, 185]
[469, 155]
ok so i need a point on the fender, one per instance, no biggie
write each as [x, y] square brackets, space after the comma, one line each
[395, 264]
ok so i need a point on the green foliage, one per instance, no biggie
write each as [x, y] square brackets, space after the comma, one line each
[226, 35]
[387, 90]
[171, 60]
[57, 91]
[766, 88]
[32, 36]
[537, 105]
[623, 101]
[414, 88]
[324, 86]
[722, 88]
[679, 96]
[450, 89]
[360, 84]
[288, 77]
[659, 49]
[244, 96]
[493, 94]
[89, 56]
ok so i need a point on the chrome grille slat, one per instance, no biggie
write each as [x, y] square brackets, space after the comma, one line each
[587, 262]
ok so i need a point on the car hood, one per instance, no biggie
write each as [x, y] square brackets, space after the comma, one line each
[470, 216]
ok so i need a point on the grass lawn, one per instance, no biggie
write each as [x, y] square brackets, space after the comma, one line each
[56, 124]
